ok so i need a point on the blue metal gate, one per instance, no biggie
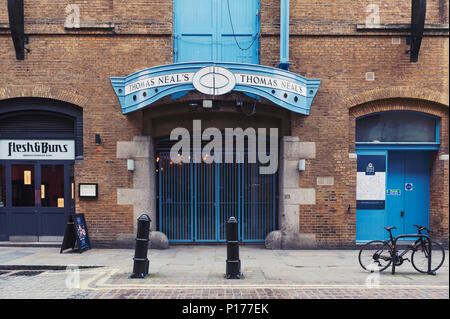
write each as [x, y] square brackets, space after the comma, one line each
[195, 200]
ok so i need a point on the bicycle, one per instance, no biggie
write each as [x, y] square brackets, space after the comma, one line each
[378, 255]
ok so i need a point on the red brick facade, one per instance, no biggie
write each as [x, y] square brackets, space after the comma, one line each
[327, 41]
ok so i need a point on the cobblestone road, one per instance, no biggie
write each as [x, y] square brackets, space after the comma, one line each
[199, 274]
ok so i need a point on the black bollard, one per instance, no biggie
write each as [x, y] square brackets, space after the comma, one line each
[140, 267]
[233, 261]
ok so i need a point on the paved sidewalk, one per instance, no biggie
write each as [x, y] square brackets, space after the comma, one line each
[198, 272]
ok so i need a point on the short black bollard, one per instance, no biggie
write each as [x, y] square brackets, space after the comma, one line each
[140, 267]
[233, 261]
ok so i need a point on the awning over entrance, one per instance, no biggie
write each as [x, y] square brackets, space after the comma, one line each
[286, 89]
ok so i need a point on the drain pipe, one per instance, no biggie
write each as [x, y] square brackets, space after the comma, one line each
[284, 35]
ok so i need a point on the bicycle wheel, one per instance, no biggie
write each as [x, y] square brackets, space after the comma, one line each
[375, 256]
[419, 257]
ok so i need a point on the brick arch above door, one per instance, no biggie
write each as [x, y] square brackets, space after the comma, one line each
[46, 92]
[401, 104]
[47, 112]
[397, 92]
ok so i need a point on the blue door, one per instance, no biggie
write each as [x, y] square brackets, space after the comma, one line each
[408, 190]
[216, 30]
[370, 194]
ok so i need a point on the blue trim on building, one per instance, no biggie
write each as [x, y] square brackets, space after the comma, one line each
[284, 35]
[285, 98]
[398, 146]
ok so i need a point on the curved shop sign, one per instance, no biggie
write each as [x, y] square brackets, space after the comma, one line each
[214, 80]
[288, 90]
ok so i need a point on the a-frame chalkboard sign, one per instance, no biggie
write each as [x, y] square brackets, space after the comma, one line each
[76, 234]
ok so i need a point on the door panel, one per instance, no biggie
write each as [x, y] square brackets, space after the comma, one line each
[395, 196]
[404, 168]
[258, 214]
[206, 217]
[54, 200]
[203, 32]
[370, 195]
[416, 197]
[3, 204]
[409, 180]
[175, 199]
[37, 199]
[230, 195]
[24, 213]
[196, 48]
[242, 46]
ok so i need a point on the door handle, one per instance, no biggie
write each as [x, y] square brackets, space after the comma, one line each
[402, 213]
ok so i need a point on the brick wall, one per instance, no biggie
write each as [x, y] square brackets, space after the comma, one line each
[119, 37]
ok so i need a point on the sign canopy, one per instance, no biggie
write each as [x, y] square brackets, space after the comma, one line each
[286, 89]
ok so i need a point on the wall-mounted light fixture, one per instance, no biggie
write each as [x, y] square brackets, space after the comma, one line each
[98, 139]
[302, 165]
[207, 104]
[130, 165]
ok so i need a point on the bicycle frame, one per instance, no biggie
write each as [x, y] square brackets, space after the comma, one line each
[420, 238]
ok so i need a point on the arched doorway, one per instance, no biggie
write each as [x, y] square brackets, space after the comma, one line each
[39, 141]
[393, 171]
[194, 200]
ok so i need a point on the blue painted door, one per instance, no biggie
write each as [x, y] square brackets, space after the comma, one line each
[370, 194]
[408, 190]
[196, 200]
[216, 30]
[407, 194]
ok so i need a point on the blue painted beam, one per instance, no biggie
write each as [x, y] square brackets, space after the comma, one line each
[286, 89]
[284, 35]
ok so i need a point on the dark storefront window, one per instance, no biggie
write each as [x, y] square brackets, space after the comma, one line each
[2, 186]
[22, 185]
[52, 185]
[396, 127]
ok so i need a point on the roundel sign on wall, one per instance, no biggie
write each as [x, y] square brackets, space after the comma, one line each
[214, 80]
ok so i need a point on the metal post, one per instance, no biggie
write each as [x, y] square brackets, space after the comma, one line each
[430, 248]
[394, 255]
[233, 261]
[140, 267]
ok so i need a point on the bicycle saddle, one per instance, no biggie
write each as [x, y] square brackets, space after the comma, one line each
[389, 228]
